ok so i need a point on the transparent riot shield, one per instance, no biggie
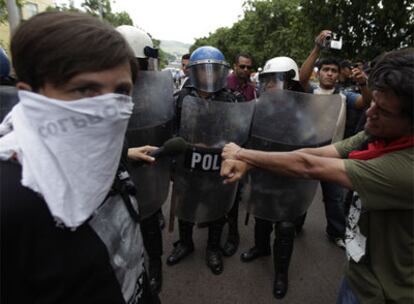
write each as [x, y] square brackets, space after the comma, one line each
[199, 191]
[8, 99]
[151, 123]
[286, 121]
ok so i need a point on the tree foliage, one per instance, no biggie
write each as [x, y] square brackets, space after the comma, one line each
[273, 28]
[3, 9]
[368, 27]
[163, 56]
[94, 8]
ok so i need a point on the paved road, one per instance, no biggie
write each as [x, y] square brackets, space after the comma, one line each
[314, 275]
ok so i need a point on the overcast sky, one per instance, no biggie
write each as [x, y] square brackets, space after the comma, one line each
[181, 20]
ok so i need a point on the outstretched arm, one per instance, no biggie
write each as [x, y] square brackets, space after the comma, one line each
[141, 153]
[294, 164]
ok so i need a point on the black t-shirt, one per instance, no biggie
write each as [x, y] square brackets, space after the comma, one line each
[43, 263]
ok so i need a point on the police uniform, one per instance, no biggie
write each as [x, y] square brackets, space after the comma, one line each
[185, 244]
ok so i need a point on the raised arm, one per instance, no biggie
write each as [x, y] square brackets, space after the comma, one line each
[307, 66]
[361, 79]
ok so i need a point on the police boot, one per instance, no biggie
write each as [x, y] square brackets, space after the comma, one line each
[262, 231]
[233, 239]
[213, 253]
[185, 245]
[152, 237]
[282, 251]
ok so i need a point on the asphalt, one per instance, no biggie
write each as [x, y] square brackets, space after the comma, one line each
[314, 275]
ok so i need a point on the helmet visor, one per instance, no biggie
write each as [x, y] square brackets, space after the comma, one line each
[208, 77]
[273, 81]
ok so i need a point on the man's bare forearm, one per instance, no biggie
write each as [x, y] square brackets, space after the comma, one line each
[294, 164]
[298, 164]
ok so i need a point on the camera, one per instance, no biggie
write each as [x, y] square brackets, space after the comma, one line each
[332, 42]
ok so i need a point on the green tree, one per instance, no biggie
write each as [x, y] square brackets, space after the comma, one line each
[92, 7]
[63, 8]
[269, 28]
[3, 9]
[96, 7]
[163, 57]
[272, 28]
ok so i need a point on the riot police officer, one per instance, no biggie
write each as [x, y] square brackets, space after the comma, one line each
[279, 73]
[207, 71]
[146, 55]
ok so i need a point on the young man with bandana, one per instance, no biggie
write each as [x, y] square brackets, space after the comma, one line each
[377, 164]
[69, 221]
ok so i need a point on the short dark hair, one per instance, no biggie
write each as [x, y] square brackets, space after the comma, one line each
[345, 64]
[55, 46]
[394, 71]
[236, 59]
[185, 57]
[326, 61]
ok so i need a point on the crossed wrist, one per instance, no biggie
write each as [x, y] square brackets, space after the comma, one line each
[237, 155]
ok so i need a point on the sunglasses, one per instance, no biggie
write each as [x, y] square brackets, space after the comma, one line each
[243, 66]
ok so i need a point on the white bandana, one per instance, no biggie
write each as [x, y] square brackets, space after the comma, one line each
[69, 150]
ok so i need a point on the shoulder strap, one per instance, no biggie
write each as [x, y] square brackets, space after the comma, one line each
[125, 187]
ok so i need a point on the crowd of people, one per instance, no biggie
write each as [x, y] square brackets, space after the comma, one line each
[83, 177]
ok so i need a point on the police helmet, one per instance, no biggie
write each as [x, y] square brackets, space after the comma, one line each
[4, 64]
[208, 69]
[278, 72]
[139, 41]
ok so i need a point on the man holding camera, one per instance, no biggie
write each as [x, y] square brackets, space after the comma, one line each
[328, 75]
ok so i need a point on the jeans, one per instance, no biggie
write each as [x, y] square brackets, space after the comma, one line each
[333, 197]
[345, 294]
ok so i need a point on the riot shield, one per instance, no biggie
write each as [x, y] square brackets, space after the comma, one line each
[151, 123]
[199, 192]
[286, 121]
[8, 99]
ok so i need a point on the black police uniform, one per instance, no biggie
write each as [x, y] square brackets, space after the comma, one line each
[284, 237]
[185, 244]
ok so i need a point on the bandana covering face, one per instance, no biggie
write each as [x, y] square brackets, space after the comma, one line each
[69, 150]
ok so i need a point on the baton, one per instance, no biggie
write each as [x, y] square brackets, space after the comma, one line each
[172, 211]
[246, 219]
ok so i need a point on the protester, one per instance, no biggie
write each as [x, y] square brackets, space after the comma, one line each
[69, 223]
[185, 81]
[377, 165]
[239, 79]
[328, 76]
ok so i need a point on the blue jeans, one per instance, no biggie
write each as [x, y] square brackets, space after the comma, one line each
[345, 294]
[333, 198]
